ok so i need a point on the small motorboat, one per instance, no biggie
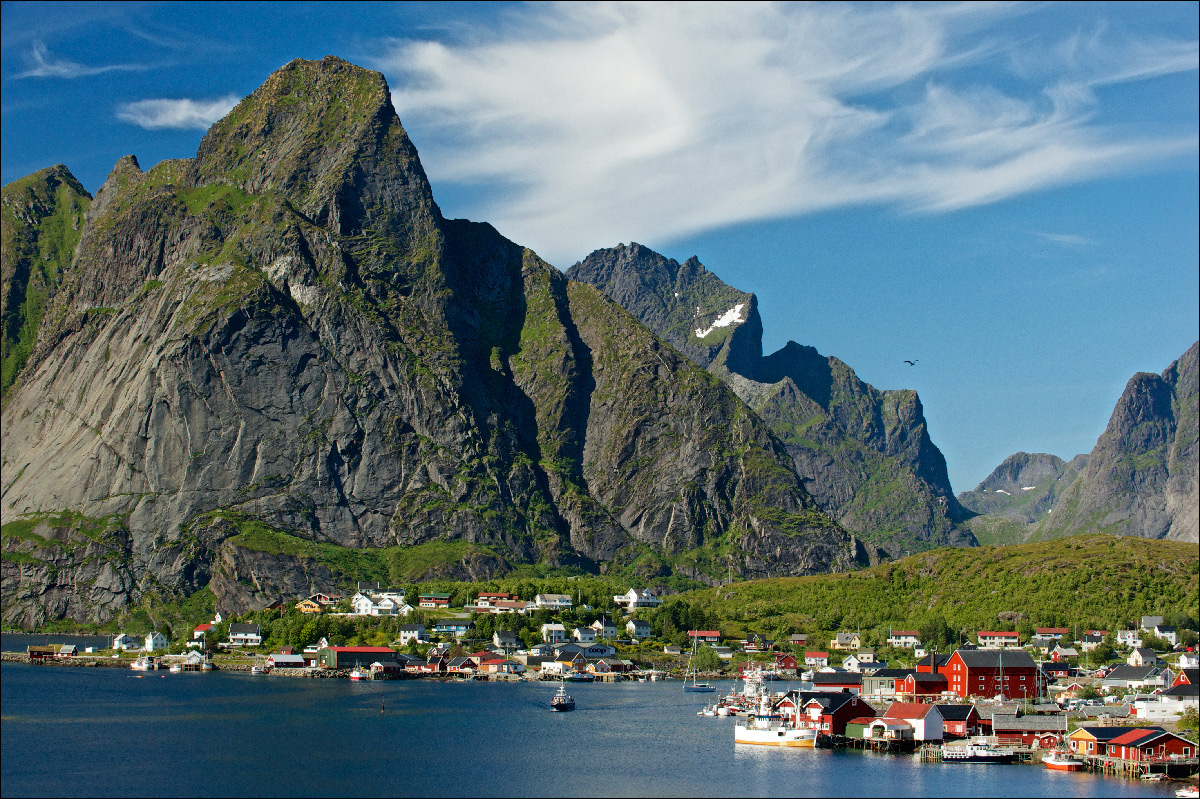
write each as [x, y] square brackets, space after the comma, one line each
[978, 751]
[257, 669]
[176, 668]
[1059, 760]
[580, 677]
[1188, 792]
[358, 674]
[206, 665]
[561, 702]
[1154, 777]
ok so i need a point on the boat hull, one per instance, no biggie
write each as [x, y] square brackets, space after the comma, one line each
[792, 739]
[699, 689]
[998, 759]
[1063, 765]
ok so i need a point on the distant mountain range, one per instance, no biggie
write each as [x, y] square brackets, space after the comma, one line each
[865, 455]
[1139, 480]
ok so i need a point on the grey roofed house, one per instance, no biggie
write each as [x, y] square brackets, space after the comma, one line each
[251, 629]
[505, 638]
[1003, 723]
[1150, 622]
[1126, 673]
[1095, 711]
[890, 673]
[1183, 690]
[1043, 642]
[837, 678]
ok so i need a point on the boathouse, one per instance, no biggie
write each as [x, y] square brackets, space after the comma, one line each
[347, 657]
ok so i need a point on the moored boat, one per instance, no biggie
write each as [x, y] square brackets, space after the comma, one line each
[1059, 760]
[176, 668]
[143, 664]
[765, 728]
[977, 751]
[1188, 792]
[359, 674]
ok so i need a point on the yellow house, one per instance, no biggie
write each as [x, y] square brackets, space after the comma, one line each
[308, 606]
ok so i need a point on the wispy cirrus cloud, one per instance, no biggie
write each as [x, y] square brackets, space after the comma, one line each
[181, 114]
[42, 64]
[613, 121]
[1066, 239]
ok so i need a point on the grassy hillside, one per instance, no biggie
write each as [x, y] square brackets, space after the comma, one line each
[1093, 581]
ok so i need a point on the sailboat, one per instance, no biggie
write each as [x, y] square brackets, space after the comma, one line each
[697, 687]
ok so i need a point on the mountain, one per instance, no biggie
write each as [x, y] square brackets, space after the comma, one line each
[281, 346]
[864, 455]
[1139, 480]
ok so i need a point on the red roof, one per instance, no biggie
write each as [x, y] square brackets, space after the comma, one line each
[200, 628]
[705, 633]
[816, 654]
[1132, 736]
[1052, 630]
[381, 649]
[908, 710]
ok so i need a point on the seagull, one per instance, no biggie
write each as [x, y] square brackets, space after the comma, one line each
[912, 363]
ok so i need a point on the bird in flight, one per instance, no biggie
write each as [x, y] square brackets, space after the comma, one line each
[912, 363]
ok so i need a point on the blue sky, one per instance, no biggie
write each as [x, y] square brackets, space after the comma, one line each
[1005, 192]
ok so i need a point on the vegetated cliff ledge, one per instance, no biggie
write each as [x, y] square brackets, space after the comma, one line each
[864, 455]
[1141, 479]
[283, 338]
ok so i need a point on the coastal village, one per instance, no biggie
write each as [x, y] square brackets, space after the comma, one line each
[1121, 701]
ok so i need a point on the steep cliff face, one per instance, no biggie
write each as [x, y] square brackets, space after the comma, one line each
[284, 334]
[1141, 477]
[42, 217]
[864, 455]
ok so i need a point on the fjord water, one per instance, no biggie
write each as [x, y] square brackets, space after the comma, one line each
[104, 731]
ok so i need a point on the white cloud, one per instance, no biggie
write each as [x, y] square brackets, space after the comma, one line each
[615, 122]
[44, 65]
[1066, 239]
[176, 114]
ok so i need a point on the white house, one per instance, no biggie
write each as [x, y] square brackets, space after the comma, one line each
[156, 641]
[244, 635]
[385, 604]
[635, 598]
[1142, 657]
[604, 627]
[584, 635]
[855, 662]
[904, 639]
[926, 720]
[413, 632]
[552, 601]
[1129, 638]
[635, 628]
[1189, 660]
[554, 633]
[125, 641]
[990, 639]
[1167, 633]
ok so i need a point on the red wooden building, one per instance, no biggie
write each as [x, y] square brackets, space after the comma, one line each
[991, 672]
[1142, 745]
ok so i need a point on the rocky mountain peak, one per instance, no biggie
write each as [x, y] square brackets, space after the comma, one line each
[325, 135]
[855, 447]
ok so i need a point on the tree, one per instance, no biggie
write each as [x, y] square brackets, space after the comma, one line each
[707, 659]
[1189, 720]
[1089, 692]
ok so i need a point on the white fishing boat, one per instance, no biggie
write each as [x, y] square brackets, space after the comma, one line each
[143, 664]
[562, 702]
[1059, 760]
[257, 669]
[206, 665]
[978, 750]
[359, 674]
[1188, 792]
[176, 668]
[765, 728]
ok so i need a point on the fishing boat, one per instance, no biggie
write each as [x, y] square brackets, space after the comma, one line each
[1059, 760]
[977, 751]
[1188, 792]
[143, 664]
[176, 668]
[359, 674]
[561, 702]
[580, 677]
[206, 665]
[697, 687]
[765, 728]
[1155, 777]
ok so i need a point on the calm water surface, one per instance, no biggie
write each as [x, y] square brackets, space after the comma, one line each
[78, 731]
